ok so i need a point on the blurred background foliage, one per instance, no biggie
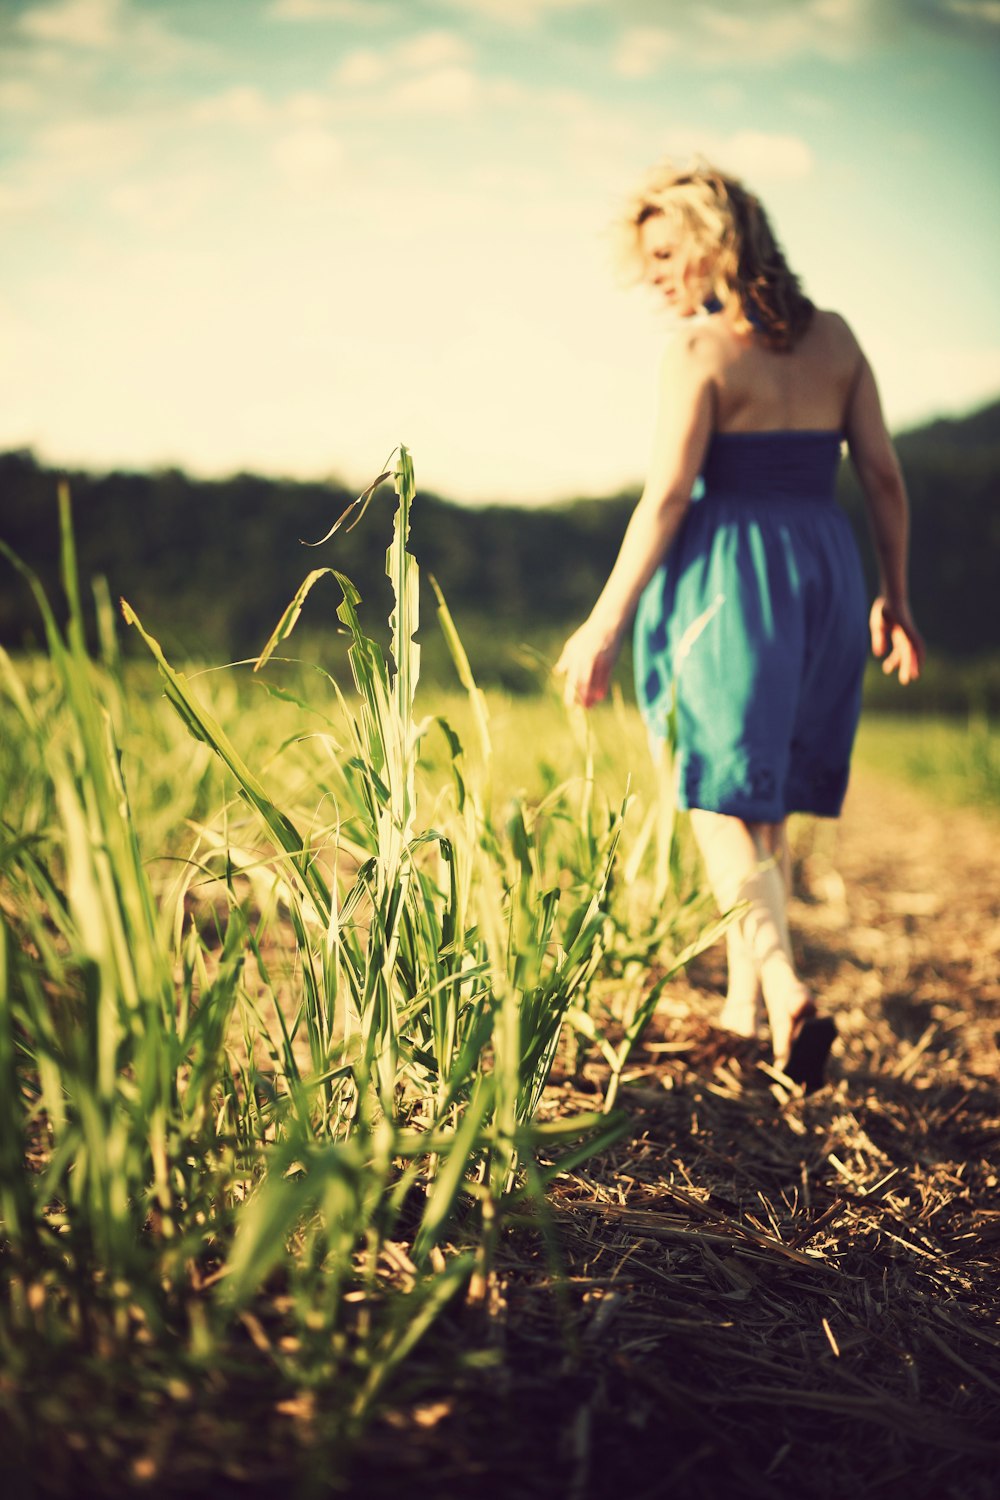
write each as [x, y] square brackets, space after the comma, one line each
[212, 563]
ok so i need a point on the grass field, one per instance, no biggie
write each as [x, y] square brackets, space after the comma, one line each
[362, 1119]
[955, 761]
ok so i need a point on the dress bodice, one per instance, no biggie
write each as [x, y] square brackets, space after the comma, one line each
[787, 463]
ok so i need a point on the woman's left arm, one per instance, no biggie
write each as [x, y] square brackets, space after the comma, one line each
[683, 426]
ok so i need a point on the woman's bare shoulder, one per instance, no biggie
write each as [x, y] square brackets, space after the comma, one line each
[698, 342]
[689, 344]
[834, 330]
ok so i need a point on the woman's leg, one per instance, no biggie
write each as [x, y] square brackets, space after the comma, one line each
[747, 863]
[740, 1011]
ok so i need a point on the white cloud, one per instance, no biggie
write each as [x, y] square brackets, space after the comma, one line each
[444, 91]
[810, 104]
[833, 28]
[769, 156]
[17, 94]
[641, 50]
[306, 106]
[87, 147]
[426, 74]
[716, 33]
[725, 94]
[106, 28]
[78, 152]
[74, 23]
[975, 10]
[329, 10]
[243, 104]
[162, 204]
[361, 68]
[426, 50]
[432, 49]
[755, 154]
[19, 201]
[516, 12]
[247, 107]
[309, 159]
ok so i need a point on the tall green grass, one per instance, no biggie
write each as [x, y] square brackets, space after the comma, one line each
[312, 1048]
[952, 760]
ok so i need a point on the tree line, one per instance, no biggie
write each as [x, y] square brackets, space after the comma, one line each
[210, 564]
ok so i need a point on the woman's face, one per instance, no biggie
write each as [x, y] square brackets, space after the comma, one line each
[668, 267]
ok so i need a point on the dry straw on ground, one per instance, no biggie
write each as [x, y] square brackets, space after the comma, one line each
[767, 1295]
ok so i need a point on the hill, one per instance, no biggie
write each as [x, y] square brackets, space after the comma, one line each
[211, 564]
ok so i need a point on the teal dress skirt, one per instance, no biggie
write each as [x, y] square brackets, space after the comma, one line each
[751, 638]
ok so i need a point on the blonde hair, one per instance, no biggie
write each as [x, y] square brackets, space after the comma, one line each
[719, 222]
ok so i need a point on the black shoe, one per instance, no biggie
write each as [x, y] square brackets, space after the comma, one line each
[812, 1038]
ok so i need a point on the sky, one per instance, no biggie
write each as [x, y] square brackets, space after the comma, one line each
[286, 235]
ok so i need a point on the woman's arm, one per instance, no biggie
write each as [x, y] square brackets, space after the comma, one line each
[874, 458]
[683, 426]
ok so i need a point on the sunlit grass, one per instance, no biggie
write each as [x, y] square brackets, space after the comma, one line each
[954, 760]
[285, 964]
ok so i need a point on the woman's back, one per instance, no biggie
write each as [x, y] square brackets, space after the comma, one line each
[759, 389]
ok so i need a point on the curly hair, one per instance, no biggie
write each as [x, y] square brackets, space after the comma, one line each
[720, 222]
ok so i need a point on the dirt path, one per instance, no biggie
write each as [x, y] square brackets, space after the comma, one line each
[767, 1294]
[896, 924]
[898, 907]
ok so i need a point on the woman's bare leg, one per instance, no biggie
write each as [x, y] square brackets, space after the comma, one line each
[746, 863]
[740, 1012]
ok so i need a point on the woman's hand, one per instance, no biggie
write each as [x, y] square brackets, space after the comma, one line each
[587, 662]
[893, 630]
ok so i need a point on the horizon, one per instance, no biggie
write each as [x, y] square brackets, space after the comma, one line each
[334, 480]
[272, 238]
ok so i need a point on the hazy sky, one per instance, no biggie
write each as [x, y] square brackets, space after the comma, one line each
[288, 234]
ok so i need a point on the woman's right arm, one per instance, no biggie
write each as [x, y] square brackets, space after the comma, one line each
[683, 426]
[874, 458]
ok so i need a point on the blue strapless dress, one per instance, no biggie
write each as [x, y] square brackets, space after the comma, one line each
[755, 629]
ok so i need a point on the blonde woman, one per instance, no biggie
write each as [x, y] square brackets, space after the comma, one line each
[749, 601]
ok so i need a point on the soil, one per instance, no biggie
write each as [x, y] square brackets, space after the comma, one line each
[767, 1294]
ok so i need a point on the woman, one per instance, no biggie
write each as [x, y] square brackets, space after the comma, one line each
[749, 601]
